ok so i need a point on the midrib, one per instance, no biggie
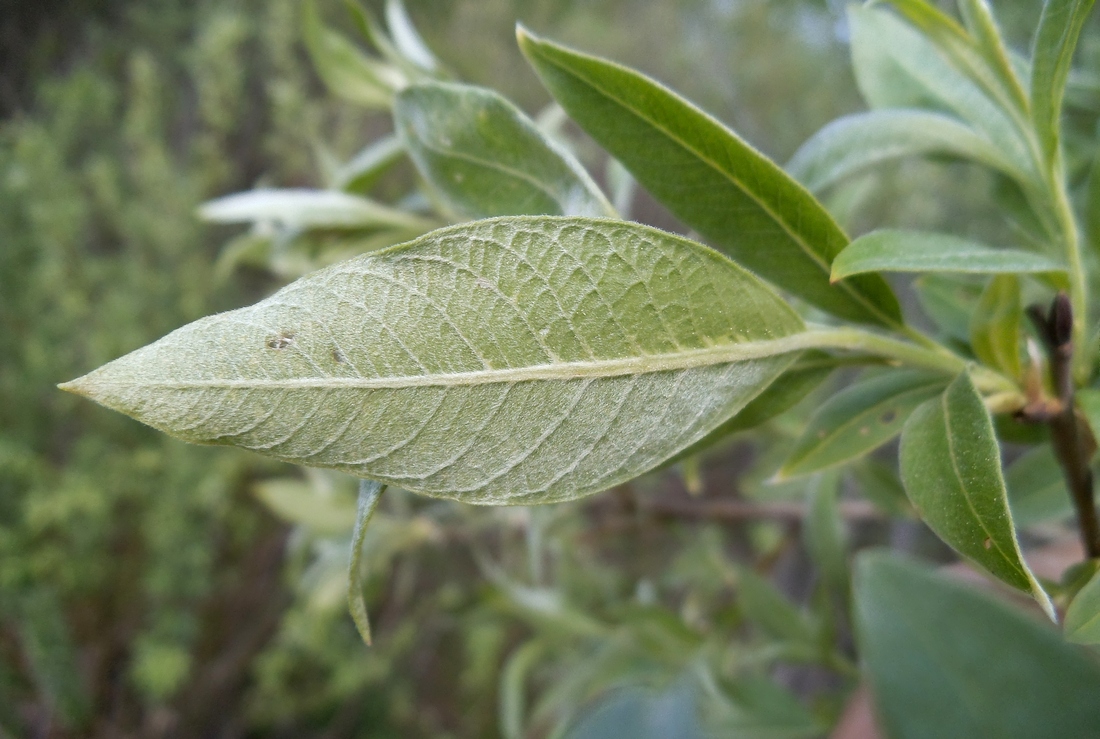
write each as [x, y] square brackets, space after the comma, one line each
[671, 361]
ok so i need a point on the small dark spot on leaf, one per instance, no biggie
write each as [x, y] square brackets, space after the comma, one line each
[988, 543]
[281, 341]
[889, 416]
[338, 356]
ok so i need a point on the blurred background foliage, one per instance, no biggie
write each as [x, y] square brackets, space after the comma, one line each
[149, 588]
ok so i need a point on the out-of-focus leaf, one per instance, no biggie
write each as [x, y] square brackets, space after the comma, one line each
[771, 611]
[851, 144]
[634, 713]
[486, 158]
[760, 709]
[362, 171]
[891, 250]
[949, 301]
[897, 67]
[345, 69]
[514, 360]
[710, 178]
[945, 660]
[880, 484]
[47, 646]
[1036, 488]
[513, 688]
[951, 468]
[995, 325]
[1082, 624]
[302, 504]
[370, 492]
[796, 383]
[407, 39]
[309, 209]
[859, 418]
[1088, 401]
[824, 532]
[1051, 57]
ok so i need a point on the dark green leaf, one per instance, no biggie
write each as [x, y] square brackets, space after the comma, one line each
[946, 661]
[951, 468]
[486, 158]
[711, 179]
[892, 250]
[995, 325]
[862, 417]
[1051, 57]
[852, 143]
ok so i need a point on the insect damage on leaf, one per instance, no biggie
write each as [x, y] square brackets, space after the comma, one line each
[512, 360]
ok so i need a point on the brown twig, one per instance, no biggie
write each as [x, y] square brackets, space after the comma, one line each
[1055, 329]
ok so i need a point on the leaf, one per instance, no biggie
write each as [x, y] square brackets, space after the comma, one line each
[949, 301]
[1051, 56]
[363, 170]
[944, 660]
[407, 39]
[486, 158]
[517, 360]
[861, 417]
[891, 250]
[370, 492]
[309, 209]
[851, 144]
[772, 612]
[1082, 624]
[1036, 488]
[709, 178]
[345, 70]
[1088, 402]
[824, 533]
[897, 67]
[634, 713]
[879, 484]
[995, 325]
[301, 504]
[796, 383]
[951, 469]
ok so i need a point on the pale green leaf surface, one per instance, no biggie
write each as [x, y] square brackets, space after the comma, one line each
[946, 660]
[858, 419]
[297, 502]
[362, 171]
[995, 328]
[344, 68]
[850, 144]
[370, 492]
[891, 250]
[1082, 623]
[1088, 400]
[486, 158]
[896, 67]
[308, 209]
[1036, 488]
[518, 360]
[951, 469]
[1051, 57]
[710, 178]
[407, 39]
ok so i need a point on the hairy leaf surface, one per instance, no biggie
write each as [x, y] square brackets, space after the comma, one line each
[518, 360]
[711, 179]
[486, 158]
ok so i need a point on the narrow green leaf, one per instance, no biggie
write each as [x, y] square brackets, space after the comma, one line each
[858, 419]
[946, 660]
[951, 468]
[796, 383]
[1051, 56]
[513, 688]
[711, 179]
[892, 250]
[979, 20]
[897, 67]
[309, 209]
[851, 144]
[370, 492]
[824, 533]
[995, 325]
[361, 172]
[344, 68]
[1036, 488]
[1088, 401]
[407, 39]
[512, 360]
[771, 611]
[486, 158]
[1083, 615]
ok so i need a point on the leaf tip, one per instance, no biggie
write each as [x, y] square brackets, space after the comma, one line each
[77, 387]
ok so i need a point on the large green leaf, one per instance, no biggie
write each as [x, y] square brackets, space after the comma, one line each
[1051, 57]
[852, 143]
[897, 67]
[862, 417]
[951, 468]
[995, 325]
[518, 360]
[891, 250]
[946, 661]
[711, 179]
[486, 158]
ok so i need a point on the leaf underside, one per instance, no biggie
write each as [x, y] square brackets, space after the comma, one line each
[514, 360]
